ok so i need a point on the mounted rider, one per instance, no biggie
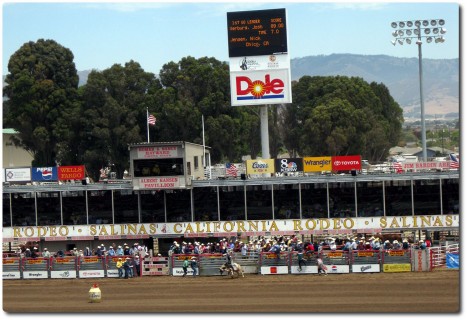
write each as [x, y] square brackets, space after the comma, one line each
[229, 261]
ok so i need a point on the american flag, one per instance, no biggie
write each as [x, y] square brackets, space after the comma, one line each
[231, 169]
[397, 167]
[454, 164]
[152, 120]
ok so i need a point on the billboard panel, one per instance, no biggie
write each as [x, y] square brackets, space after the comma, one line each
[346, 163]
[260, 166]
[260, 87]
[251, 63]
[44, 174]
[71, 173]
[317, 164]
[257, 32]
[289, 165]
[18, 174]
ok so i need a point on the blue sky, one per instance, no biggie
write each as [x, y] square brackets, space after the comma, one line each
[102, 34]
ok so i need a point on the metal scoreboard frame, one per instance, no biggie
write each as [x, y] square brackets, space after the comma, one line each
[257, 32]
[259, 59]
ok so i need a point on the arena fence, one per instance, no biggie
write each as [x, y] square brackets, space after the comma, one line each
[266, 263]
[438, 255]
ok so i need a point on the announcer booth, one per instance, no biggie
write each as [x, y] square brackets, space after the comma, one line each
[167, 165]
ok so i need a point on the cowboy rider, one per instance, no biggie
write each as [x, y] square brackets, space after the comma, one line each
[229, 262]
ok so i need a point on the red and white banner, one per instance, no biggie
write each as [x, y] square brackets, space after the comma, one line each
[346, 163]
[157, 152]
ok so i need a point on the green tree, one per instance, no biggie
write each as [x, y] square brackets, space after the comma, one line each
[114, 114]
[341, 116]
[41, 88]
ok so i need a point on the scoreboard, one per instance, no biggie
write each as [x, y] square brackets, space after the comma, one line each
[257, 32]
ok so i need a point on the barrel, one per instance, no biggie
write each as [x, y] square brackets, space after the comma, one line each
[95, 294]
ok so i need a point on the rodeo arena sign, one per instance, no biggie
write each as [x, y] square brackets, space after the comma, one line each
[287, 260]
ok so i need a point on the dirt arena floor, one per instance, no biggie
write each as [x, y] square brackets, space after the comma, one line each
[409, 292]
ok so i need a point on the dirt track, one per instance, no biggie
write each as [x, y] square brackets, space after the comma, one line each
[419, 292]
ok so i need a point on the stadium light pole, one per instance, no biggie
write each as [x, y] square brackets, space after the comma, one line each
[429, 30]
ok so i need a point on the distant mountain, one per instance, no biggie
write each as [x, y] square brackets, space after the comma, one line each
[400, 75]
[83, 77]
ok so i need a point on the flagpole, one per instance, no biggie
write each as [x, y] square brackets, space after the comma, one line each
[147, 121]
[204, 146]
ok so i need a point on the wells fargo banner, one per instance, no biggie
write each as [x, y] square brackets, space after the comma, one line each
[317, 164]
[260, 166]
[220, 228]
[71, 173]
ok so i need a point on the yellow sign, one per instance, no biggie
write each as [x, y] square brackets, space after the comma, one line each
[260, 166]
[398, 253]
[317, 164]
[402, 267]
[365, 254]
[335, 255]
[5, 261]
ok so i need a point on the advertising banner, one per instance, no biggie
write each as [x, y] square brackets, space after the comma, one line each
[452, 260]
[275, 270]
[260, 87]
[268, 62]
[208, 228]
[63, 274]
[260, 166]
[91, 273]
[35, 274]
[397, 267]
[346, 163]
[305, 269]
[317, 164]
[11, 275]
[289, 165]
[18, 174]
[158, 152]
[157, 183]
[332, 268]
[44, 174]
[367, 268]
[71, 173]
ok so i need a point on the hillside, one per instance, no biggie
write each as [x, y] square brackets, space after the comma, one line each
[400, 75]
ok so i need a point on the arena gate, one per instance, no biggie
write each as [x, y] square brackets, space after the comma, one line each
[310, 260]
[397, 261]
[155, 266]
[35, 268]
[272, 263]
[337, 261]
[439, 255]
[63, 268]
[11, 268]
[366, 261]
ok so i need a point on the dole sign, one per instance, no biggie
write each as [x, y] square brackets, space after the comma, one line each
[260, 87]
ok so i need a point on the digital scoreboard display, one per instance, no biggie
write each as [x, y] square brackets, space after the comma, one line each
[257, 33]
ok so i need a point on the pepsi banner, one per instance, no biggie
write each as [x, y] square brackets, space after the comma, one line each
[44, 174]
[289, 165]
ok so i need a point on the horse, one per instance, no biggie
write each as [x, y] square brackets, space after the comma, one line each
[237, 270]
